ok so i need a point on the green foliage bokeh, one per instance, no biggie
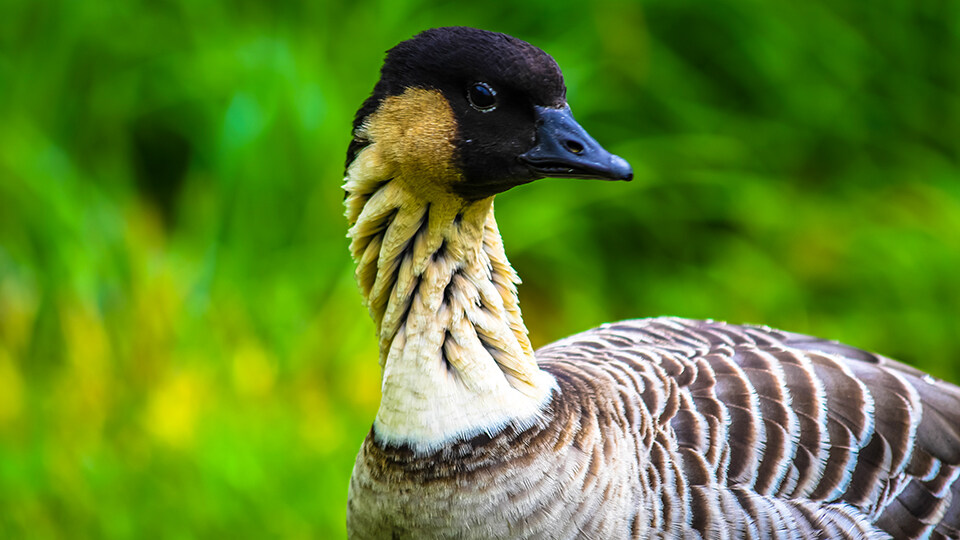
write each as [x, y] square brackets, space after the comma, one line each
[183, 351]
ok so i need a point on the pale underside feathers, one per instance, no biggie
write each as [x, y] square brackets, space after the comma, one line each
[652, 428]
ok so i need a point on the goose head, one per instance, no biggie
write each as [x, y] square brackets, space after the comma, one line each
[474, 113]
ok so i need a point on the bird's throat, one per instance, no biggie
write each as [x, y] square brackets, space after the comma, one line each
[455, 354]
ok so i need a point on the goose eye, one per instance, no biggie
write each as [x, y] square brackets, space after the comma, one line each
[482, 97]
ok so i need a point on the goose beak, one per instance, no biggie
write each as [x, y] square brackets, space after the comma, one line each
[565, 150]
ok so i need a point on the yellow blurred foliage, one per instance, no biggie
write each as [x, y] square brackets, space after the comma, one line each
[174, 409]
[254, 371]
[84, 394]
[157, 307]
[365, 382]
[11, 389]
[18, 310]
[87, 345]
[320, 428]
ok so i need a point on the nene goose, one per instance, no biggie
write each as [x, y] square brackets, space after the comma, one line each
[652, 428]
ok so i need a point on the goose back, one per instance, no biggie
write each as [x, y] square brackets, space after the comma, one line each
[691, 429]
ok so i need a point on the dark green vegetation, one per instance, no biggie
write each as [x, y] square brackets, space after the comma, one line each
[183, 352]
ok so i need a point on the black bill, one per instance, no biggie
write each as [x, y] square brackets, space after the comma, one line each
[566, 150]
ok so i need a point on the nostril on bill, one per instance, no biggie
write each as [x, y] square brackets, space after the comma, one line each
[573, 147]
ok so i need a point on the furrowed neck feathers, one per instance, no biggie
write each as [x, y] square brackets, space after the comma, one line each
[455, 354]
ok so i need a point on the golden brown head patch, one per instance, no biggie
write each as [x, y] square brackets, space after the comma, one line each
[415, 133]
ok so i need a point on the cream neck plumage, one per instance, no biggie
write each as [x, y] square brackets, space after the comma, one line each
[454, 351]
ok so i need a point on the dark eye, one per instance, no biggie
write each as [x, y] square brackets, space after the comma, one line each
[482, 97]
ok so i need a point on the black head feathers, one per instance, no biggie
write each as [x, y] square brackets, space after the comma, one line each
[450, 58]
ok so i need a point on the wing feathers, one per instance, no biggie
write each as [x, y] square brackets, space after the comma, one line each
[761, 433]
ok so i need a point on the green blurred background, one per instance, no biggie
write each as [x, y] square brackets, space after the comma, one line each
[183, 351]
